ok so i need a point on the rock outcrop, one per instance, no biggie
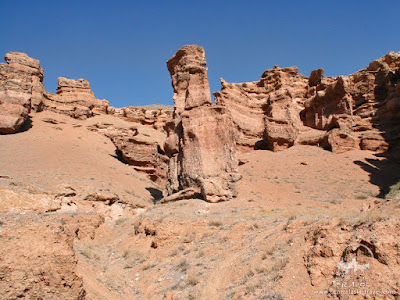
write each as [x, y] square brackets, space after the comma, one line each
[363, 107]
[139, 146]
[156, 118]
[21, 87]
[75, 99]
[22, 91]
[200, 143]
[266, 112]
[284, 108]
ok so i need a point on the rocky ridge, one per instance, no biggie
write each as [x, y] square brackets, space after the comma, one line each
[284, 108]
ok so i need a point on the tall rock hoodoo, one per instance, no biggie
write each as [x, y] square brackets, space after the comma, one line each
[201, 138]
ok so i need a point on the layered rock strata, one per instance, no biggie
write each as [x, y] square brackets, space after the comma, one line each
[75, 99]
[284, 108]
[139, 146]
[266, 112]
[364, 105]
[21, 87]
[200, 143]
[156, 118]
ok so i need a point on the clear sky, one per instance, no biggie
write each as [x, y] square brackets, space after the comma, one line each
[122, 47]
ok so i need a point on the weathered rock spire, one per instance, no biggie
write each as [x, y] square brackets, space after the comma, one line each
[201, 142]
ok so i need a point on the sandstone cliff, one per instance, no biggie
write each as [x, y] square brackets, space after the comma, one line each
[266, 112]
[363, 105]
[285, 108]
[155, 117]
[76, 223]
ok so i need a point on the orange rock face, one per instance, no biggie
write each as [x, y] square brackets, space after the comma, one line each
[156, 118]
[74, 98]
[200, 143]
[139, 146]
[286, 108]
[189, 78]
[266, 112]
[20, 88]
[364, 105]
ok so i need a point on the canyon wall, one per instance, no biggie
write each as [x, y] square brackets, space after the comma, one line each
[284, 108]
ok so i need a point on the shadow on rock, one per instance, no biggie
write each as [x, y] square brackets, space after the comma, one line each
[156, 194]
[118, 155]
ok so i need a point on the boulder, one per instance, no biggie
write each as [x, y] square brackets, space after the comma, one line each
[316, 77]
[340, 141]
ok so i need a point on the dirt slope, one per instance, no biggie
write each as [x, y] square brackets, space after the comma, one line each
[76, 222]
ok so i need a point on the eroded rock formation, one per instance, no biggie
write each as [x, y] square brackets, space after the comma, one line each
[75, 99]
[200, 142]
[156, 117]
[284, 108]
[139, 146]
[364, 106]
[21, 87]
[266, 112]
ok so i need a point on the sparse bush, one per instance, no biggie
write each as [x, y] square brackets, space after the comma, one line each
[192, 279]
[215, 223]
[361, 197]
[394, 190]
[279, 264]
[271, 249]
[371, 216]
[183, 265]
[149, 265]
[134, 258]
[176, 251]
[357, 219]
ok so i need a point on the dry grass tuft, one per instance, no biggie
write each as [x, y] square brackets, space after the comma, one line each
[394, 191]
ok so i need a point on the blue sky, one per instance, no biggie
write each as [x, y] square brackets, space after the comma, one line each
[122, 47]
